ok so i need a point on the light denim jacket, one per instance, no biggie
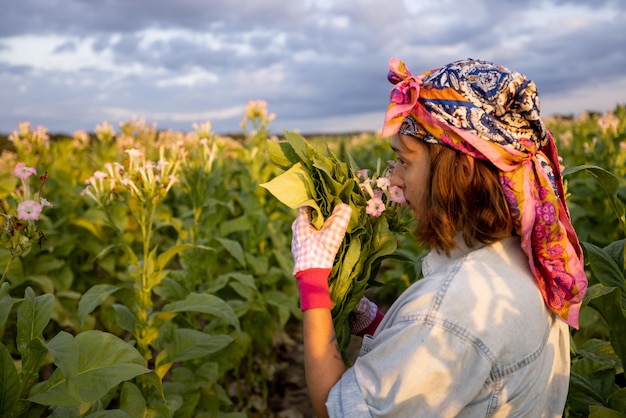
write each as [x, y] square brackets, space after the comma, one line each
[473, 338]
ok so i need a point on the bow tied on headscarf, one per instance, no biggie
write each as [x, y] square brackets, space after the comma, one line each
[491, 113]
[403, 95]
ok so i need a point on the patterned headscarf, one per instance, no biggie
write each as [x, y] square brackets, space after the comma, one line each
[491, 113]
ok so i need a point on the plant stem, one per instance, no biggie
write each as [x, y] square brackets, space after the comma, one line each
[6, 269]
[145, 301]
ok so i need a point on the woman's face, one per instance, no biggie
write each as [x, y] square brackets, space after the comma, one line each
[412, 171]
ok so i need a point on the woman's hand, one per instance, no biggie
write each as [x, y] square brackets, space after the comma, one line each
[365, 318]
[314, 253]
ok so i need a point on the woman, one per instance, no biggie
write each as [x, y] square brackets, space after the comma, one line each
[485, 332]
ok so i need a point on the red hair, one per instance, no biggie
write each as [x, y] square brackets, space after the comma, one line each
[464, 197]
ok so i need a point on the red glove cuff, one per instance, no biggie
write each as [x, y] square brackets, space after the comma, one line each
[371, 328]
[313, 287]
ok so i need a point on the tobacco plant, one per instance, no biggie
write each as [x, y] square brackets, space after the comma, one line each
[87, 366]
[597, 384]
[167, 298]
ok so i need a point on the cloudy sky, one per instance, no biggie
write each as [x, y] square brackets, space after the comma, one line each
[320, 64]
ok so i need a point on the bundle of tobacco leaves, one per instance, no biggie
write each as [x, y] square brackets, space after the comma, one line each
[320, 180]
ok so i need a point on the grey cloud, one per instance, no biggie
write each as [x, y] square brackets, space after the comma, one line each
[80, 16]
[309, 62]
[569, 60]
[592, 3]
[178, 53]
[8, 69]
[127, 45]
[101, 42]
[36, 100]
[69, 46]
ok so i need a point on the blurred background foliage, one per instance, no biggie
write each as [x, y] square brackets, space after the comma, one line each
[192, 287]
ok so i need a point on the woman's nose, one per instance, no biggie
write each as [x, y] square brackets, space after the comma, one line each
[396, 178]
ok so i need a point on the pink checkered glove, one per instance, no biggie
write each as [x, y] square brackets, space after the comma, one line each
[314, 253]
[365, 318]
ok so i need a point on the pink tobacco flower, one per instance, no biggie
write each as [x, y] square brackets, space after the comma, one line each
[375, 207]
[363, 174]
[23, 172]
[396, 195]
[134, 153]
[29, 210]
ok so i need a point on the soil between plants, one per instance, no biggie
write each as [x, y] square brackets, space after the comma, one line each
[288, 397]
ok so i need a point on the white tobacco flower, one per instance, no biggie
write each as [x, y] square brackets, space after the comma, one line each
[45, 203]
[383, 183]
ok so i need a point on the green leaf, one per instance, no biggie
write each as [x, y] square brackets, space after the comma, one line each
[15, 275]
[152, 379]
[125, 318]
[595, 355]
[282, 154]
[42, 282]
[189, 344]
[240, 224]
[94, 298]
[8, 183]
[155, 278]
[604, 268]
[225, 279]
[64, 350]
[617, 400]
[597, 411]
[607, 180]
[6, 302]
[246, 292]
[609, 183]
[46, 264]
[293, 188]
[283, 303]
[110, 248]
[32, 317]
[340, 286]
[205, 303]
[114, 413]
[617, 251]
[96, 228]
[170, 289]
[235, 249]
[610, 307]
[104, 361]
[242, 283]
[132, 400]
[586, 390]
[64, 411]
[299, 146]
[150, 262]
[9, 383]
[167, 255]
[33, 357]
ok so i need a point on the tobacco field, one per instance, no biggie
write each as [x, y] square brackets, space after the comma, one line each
[145, 272]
